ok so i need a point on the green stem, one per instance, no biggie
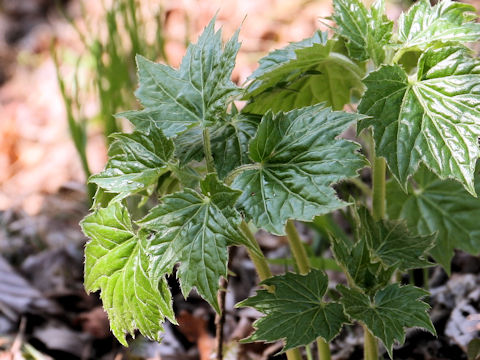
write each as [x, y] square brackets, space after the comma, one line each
[263, 271]
[237, 171]
[426, 278]
[323, 350]
[370, 350]
[398, 55]
[379, 170]
[361, 186]
[303, 264]
[260, 263]
[378, 204]
[207, 148]
[298, 250]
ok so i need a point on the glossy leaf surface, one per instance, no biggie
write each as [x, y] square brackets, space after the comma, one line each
[304, 73]
[366, 31]
[135, 163]
[393, 309]
[296, 310]
[434, 118]
[438, 206]
[116, 262]
[194, 95]
[448, 21]
[297, 157]
[194, 229]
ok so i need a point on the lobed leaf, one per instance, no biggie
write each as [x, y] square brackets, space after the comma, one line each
[366, 31]
[358, 265]
[136, 161]
[447, 21]
[296, 310]
[116, 262]
[433, 118]
[196, 94]
[442, 207]
[297, 158]
[304, 73]
[393, 309]
[194, 230]
[391, 243]
[229, 141]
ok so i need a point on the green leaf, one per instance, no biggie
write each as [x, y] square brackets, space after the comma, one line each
[393, 309]
[305, 73]
[296, 310]
[392, 245]
[356, 260]
[448, 21]
[366, 32]
[432, 118]
[297, 159]
[194, 230]
[136, 161]
[229, 141]
[438, 206]
[194, 95]
[116, 262]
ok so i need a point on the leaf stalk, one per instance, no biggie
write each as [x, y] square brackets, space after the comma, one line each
[370, 350]
[379, 170]
[207, 148]
[303, 264]
[263, 271]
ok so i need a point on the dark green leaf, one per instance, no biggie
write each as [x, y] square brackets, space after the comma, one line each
[135, 163]
[194, 230]
[432, 118]
[356, 260]
[297, 159]
[194, 95]
[296, 311]
[229, 141]
[305, 73]
[366, 31]
[392, 245]
[116, 263]
[438, 206]
[448, 21]
[393, 309]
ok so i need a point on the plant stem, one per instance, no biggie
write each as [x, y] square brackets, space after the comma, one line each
[299, 253]
[207, 148]
[263, 271]
[370, 350]
[260, 263]
[426, 278]
[378, 204]
[237, 171]
[303, 264]
[220, 320]
[379, 169]
[323, 350]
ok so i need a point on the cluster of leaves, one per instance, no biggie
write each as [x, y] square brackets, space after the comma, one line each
[213, 168]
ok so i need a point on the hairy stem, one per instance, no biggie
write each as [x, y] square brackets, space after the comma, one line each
[303, 264]
[379, 169]
[370, 350]
[260, 263]
[298, 251]
[237, 171]
[207, 148]
[263, 271]
[220, 319]
[378, 204]
[323, 350]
